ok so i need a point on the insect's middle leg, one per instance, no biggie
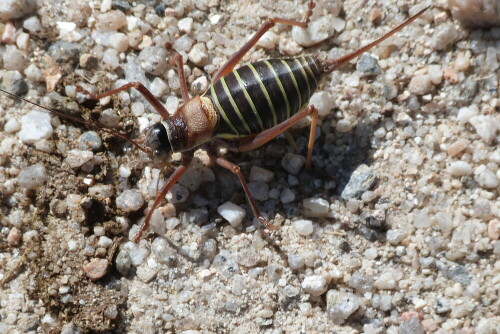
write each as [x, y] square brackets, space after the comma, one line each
[251, 143]
[268, 24]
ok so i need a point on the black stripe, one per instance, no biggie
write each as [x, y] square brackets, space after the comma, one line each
[287, 82]
[228, 109]
[301, 80]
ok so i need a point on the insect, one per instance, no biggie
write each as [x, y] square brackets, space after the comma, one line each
[245, 107]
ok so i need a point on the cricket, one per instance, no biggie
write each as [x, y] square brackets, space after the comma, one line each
[244, 108]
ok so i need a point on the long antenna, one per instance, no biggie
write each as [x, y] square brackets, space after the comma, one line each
[85, 122]
[331, 65]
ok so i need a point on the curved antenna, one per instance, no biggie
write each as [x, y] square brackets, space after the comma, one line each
[85, 122]
[331, 65]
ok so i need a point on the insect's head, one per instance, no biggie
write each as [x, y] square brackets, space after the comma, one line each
[157, 140]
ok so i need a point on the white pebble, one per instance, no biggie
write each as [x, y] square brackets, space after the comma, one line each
[487, 179]
[35, 126]
[231, 212]
[314, 285]
[185, 25]
[158, 87]
[316, 207]
[303, 227]
[386, 281]
[343, 126]
[323, 101]
[172, 104]
[486, 126]
[104, 242]
[420, 84]
[268, 40]
[316, 32]
[460, 168]
[177, 194]
[466, 113]
[77, 158]
[198, 54]
[119, 42]
[130, 200]
[32, 177]
[200, 85]
[12, 125]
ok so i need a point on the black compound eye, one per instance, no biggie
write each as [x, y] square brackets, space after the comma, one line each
[157, 141]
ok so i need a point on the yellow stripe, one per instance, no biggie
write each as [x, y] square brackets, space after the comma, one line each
[294, 81]
[230, 136]
[308, 67]
[235, 107]
[221, 111]
[252, 105]
[305, 76]
[264, 90]
[281, 87]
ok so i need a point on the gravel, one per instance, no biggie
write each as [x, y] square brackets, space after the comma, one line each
[395, 228]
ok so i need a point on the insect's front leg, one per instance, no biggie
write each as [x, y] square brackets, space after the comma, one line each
[251, 143]
[268, 24]
[177, 60]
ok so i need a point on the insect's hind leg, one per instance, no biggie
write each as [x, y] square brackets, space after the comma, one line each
[251, 143]
[139, 87]
[237, 171]
[268, 24]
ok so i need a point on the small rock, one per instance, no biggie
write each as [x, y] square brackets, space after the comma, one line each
[303, 227]
[14, 9]
[420, 84]
[14, 237]
[412, 326]
[314, 285]
[460, 168]
[96, 268]
[296, 261]
[466, 113]
[459, 274]
[340, 305]
[442, 305]
[64, 52]
[77, 158]
[435, 73]
[110, 21]
[362, 179]
[486, 126]
[361, 283]
[268, 40]
[14, 59]
[233, 213]
[258, 174]
[177, 194]
[259, 190]
[494, 229]
[146, 273]
[198, 54]
[287, 196]
[316, 32]
[14, 83]
[323, 101]
[90, 140]
[457, 147]
[32, 177]
[119, 42]
[88, 61]
[200, 85]
[185, 24]
[130, 200]
[343, 126]
[101, 191]
[162, 250]
[153, 60]
[487, 179]
[183, 44]
[367, 66]
[34, 127]
[444, 35]
[316, 207]
[386, 281]
[292, 163]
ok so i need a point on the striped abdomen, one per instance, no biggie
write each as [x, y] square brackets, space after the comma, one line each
[258, 96]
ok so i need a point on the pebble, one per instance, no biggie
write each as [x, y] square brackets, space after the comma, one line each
[343, 126]
[185, 25]
[412, 326]
[14, 9]
[435, 73]
[130, 200]
[14, 237]
[341, 305]
[460, 168]
[442, 305]
[368, 66]
[32, 177]
[487, 179]
[183, 44]
[466, 113]
[199, 85]
[153, 60]
[177, 194]
[296, 261]
[316, 207]
[259, 174]
[14, 59]
[35, 126]
[292, 163]
[361, 283]
[316, 32]
[233, 213]
[14, 83]
[444, 35]
[486, 126]
[119, 42]
[123, 262]
[110, 21]
[457, 147]
[314, 285]
[323, 101]
[286, 196]
[146, 272]
[259, 190]
[362, 179]
[101, 191]
[77, 158]
[386, 281]
[420, 84]
[268, 40]
[90, 140]
[494, 229]
[96, 268]
[303, 227]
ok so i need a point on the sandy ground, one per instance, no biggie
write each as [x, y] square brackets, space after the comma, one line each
[411, 248]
